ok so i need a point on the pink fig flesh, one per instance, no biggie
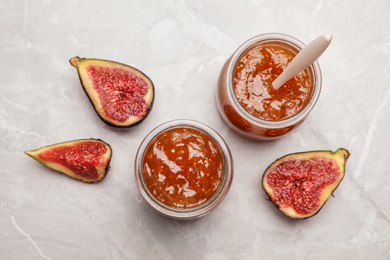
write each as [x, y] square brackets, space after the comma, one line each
[86, 160]
[121, 95]
[299, 184]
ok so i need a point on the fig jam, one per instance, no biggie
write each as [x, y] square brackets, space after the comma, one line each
[183, 167]
[254, 73]
[246, 99]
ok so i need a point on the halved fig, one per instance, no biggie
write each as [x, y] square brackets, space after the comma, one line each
[121, 95]
[299, 184]
[86, 160]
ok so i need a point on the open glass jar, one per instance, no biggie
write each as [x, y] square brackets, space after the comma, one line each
[244, 97]
[183, 169]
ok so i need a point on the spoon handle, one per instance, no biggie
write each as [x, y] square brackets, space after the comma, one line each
[304, 59]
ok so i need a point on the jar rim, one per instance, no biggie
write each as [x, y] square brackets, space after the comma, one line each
[314, 67]
[203, 208]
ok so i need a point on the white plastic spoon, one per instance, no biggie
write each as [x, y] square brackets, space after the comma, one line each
[304, 59]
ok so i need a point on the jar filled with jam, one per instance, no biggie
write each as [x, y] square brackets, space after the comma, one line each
[183, 169]
[246, 99]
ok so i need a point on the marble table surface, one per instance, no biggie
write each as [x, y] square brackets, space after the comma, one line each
[182, 46]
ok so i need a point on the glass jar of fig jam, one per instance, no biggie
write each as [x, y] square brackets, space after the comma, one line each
[183, 169]
[246, 99]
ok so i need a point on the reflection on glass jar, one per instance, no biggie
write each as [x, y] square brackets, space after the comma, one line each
[246, 99]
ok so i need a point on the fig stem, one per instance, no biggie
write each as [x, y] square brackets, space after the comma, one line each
[75, 61]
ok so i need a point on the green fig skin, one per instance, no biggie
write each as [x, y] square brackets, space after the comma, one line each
[339, 157]
[58, 159]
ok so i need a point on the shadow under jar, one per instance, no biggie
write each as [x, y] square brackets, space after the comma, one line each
[183, 169]
[246, 99]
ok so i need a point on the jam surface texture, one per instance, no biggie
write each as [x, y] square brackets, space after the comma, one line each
[253, 75]
[183, 167]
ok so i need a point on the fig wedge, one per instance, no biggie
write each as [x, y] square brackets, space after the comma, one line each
[121, 95]
[299, 184]
[86, 160]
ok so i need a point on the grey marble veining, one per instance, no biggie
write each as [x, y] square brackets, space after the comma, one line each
[182, 46]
